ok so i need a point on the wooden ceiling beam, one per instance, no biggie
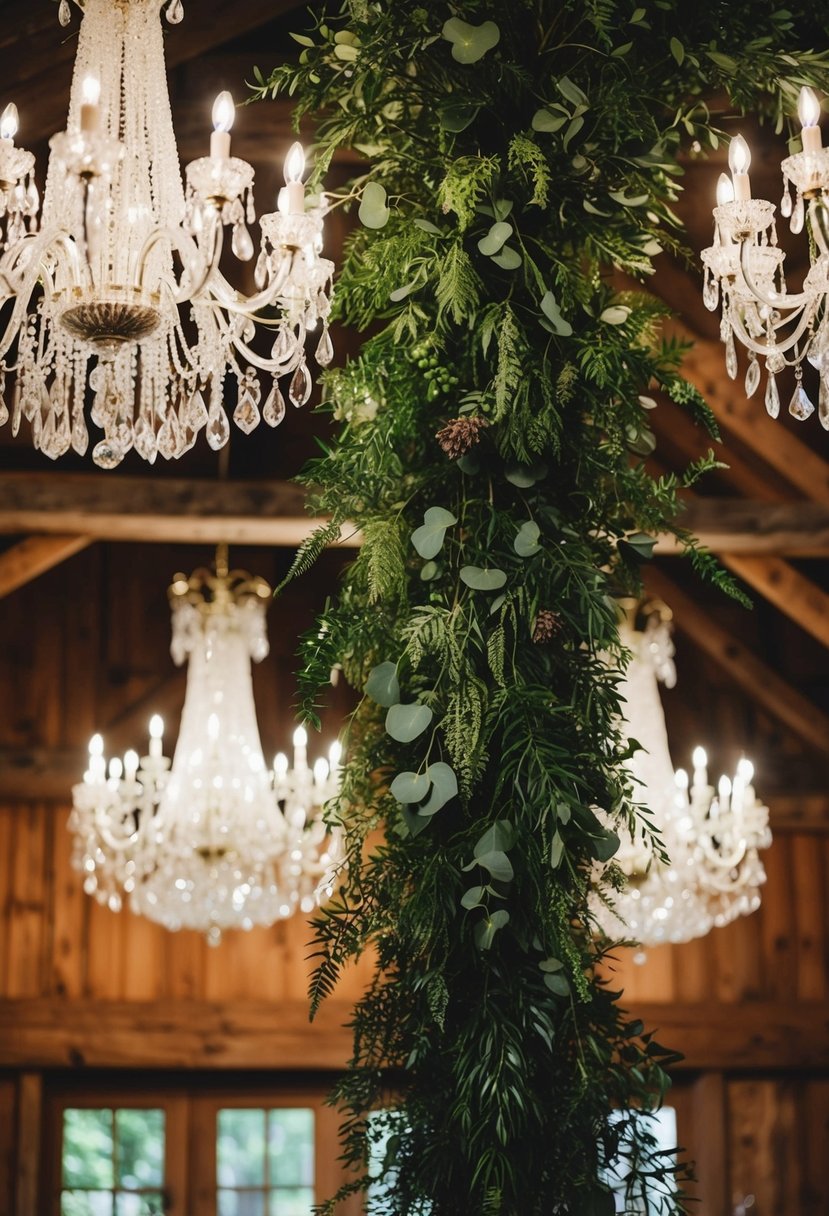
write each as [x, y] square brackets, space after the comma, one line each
[147, 509]
[739, 526]
[33, 556]
[176, 510]
[777, 697]
[789, 590]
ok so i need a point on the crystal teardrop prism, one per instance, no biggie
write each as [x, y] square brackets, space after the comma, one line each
[80, 435]
[731, 364]
[325, 348]
[800, 406]
[107, 455]
[169, 437]
[4, 409]
[285, 346]
[710, 290]
[144, 439]
[274, 410]
[772, 397]
[175, 12]
[241, 243]
[823, 403]
[64, 12]
[752, 378]
[260, 273]
[798, 215]
[196, 413]
[300, 387]
[218, 429]
[246, 414]
[786, 204]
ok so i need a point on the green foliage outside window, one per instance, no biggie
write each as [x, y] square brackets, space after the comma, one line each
[491, 448]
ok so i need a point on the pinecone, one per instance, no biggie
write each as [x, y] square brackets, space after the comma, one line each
[546, 625]
[459, 435]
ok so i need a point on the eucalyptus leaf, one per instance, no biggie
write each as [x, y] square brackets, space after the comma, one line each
[557, 984]
[470, 42]
[428, 538]
[480, 579]
[617, 314]
[427, 226]
[551, 965]
[572, 131]
[571, 91]
[556, 850]
[524, 476]
[526, 541]
[497, 864]
[405, 722]
[677, 50]
[486, 929]
[382, 685]
[429, 571]
[495, 238]
[545, 120]
[414, 822]
[373, 212]
[472, 898]
[456, 117]
[444, 787]
[549, 306]
[410, 787]
[500, 836]
[508, 259]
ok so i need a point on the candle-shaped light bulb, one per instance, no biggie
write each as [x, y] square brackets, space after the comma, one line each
[739, 161]
[300, 737]
[96, 746]
[130, 765]
[681, 779]
[90, 112]
[116, 769]
[294, 196]
[700, 768]
[320, 771]
[224, 112]
[280, 765]
[156, 732]
[724, 792]
[300, 743]
[9, 122]
[808, 110]
[745, 771]
[725, 190]
[335, 755]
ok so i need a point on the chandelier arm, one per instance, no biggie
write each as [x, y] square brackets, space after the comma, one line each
[272, 366]
[29, 279]
[793, 303]
[233, 301]
[191, 255]
[763, 348]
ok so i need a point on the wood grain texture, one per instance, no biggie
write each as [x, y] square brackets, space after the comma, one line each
[27, 1189]
[33, 556]
[785, 587]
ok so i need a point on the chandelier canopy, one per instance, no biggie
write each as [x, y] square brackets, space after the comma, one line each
[218, 840]
[744, 269]
[116, 291]
[710, 872]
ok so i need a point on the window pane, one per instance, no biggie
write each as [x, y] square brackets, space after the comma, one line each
[242, 1203]
[86, 1203]
[291, 1147]
[240, 1148]
[87, 1148]
[139, 1205]
[139, 1137]
[296, 1202]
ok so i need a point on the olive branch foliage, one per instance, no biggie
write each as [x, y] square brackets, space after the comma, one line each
[518, 155]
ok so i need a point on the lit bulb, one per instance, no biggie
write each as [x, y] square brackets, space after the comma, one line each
[335, 753]
[91, 91]
[156, 726]
[745, 770]
[130, 764]
[724, 788]
[700, 758]
[295, 163]
[739, 155]
[725, 190]
[224, 112]
[96, 746]
[116, 768]
[808, 107]
[9, 121]
[681, 779]
[320, 771]
[300, 737]
[280, 764]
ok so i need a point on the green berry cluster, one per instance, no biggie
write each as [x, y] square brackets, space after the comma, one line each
[440, 380]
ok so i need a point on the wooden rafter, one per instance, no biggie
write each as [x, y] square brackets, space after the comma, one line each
[760, 681]
[734, 525]
[789, 590]
[33, 556]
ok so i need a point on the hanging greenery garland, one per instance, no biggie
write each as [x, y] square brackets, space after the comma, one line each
[491, 450]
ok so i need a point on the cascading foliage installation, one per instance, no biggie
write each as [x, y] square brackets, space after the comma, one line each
[490, 443]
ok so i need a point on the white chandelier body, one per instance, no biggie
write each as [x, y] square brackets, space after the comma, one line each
[712, 836]
[217, 840]
[744, 270]
[116, 292]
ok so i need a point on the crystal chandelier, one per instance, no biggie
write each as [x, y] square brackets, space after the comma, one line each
[215, 841]
[118, 289]
[744, 268]
[711, 836]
